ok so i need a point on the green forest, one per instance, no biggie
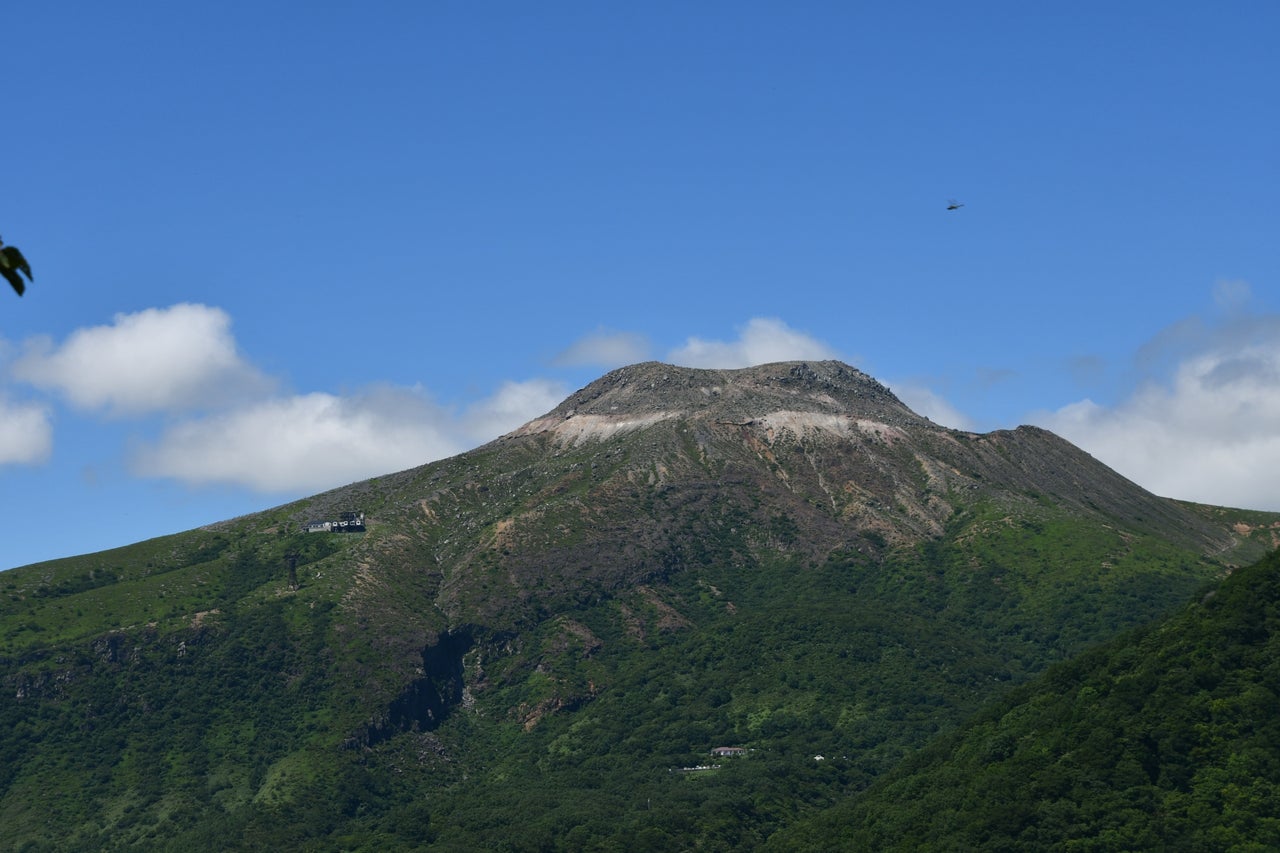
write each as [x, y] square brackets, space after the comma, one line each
[1166, 738]
[237, 728]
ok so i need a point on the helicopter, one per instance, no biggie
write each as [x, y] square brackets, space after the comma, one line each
[952, 204]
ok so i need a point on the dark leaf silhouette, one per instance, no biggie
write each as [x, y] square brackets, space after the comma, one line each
[11, 264]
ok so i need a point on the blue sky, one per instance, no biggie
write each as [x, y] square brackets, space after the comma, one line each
[280, 247]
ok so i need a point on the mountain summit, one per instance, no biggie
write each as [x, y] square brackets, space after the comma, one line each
[838, 438]
[655, 389]
[537, 644]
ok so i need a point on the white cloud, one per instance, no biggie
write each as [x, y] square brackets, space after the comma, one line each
[762, 340]
[1211, 433]
[26, 433]
[605, 348]
[924, 401]
[318, 441]
[308, 442]
[159, 359]
[512, 405]
[167, 360]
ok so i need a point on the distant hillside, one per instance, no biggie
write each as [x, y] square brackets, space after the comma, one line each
[530, 645]
[1167, 739]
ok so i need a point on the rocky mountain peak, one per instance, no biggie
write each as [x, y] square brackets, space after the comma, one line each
[652, 391]
[832, 436]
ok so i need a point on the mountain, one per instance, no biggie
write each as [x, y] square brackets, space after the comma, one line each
[1165, 739]
[527, 646]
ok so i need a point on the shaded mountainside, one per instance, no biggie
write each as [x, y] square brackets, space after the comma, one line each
[1166, 739]
[784, 558]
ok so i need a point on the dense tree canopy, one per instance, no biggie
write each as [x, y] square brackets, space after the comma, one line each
[1164, 739]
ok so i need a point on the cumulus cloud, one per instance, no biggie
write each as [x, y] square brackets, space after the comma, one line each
[605, 348]
[318, 441]
[1210, 433]
[512, 405]
[26, 433]
[160, 359]
[312, 441]
[924, 401]
[761, 341]
[1235, 325]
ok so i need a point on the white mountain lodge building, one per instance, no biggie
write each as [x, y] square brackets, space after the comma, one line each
[347, 522]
